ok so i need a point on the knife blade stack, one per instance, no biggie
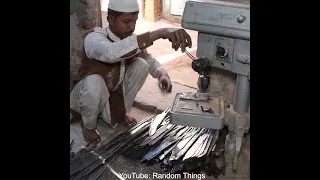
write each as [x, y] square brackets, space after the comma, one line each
[154, 141]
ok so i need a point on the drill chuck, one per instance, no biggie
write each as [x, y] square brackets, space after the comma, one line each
[201, 66]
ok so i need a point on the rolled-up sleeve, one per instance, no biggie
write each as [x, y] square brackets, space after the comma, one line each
[97, 46]
[155, 67]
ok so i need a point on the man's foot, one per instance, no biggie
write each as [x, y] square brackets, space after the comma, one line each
[74, 117]
[130, 121]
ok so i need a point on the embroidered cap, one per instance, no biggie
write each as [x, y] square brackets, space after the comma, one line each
[126, 6]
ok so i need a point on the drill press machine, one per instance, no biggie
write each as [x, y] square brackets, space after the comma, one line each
[224, 43]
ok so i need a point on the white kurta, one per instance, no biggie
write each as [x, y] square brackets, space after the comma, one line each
[90, 97]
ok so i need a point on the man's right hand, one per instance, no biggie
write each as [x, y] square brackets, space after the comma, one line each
[178, 37]
[91, 136]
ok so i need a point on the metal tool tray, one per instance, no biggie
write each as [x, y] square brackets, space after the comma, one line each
[217, 17]
[185, 112]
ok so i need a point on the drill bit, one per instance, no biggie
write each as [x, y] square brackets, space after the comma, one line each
[190, 55]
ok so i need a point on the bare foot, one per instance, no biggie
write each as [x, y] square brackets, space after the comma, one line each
[130, 121]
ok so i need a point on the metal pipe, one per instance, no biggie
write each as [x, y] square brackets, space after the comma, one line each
[242, 94]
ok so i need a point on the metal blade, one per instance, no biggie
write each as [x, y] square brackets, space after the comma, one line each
[204, 144]
[157, 121]
[195, 147]
[212, 140]
[182, 131]
[162, 156]
[188, 145]
[167, 130]
[154, 136]
[180, 146]
[206, 147]
[164, 144]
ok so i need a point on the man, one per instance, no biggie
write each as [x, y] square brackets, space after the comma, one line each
[114, 67]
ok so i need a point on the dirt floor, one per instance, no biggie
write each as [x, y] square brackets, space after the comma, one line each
[179, 62]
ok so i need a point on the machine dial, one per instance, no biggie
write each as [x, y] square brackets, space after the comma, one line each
[221, 51]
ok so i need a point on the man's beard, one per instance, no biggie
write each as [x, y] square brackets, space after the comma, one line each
[128, 34]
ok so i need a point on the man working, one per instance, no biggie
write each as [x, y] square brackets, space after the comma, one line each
[114, 67]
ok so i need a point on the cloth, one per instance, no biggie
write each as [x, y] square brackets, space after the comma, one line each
[99, 47]
[127, 6]
[90, 97]
[110, 72]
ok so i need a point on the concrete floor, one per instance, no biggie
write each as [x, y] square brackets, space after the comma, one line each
[105, 131]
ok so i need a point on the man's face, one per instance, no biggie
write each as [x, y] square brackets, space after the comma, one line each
[124, 25]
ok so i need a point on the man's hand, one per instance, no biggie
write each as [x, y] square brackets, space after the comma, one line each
[130, 121]
[178, 37]
[165, 83]
[91, 136]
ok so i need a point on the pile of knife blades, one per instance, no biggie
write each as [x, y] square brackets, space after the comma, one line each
[154, 140]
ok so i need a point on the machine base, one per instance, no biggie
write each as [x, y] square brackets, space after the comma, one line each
[187, 110]
[243, 168]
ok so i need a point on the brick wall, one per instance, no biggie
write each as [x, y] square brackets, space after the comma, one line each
[152, 10]
[83, 16]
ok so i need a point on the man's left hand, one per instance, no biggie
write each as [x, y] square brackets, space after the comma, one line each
[165, 83]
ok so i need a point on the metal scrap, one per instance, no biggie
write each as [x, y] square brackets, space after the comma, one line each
[157, 121]
[176, 147]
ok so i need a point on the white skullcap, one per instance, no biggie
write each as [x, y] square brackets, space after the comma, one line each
[126, 6]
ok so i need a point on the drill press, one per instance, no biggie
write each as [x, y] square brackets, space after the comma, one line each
[224, 43]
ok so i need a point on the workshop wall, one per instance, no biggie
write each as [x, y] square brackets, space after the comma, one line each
[84, 15]
[152, 10]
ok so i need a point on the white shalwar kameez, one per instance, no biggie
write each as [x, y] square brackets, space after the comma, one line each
[90, 97]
